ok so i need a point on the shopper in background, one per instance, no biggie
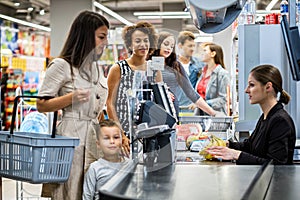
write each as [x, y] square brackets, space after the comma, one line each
[213, 84]
[109, 141]
[174, 75]
[140, 40]
[79, 89]
[274, 135]
[192, 65]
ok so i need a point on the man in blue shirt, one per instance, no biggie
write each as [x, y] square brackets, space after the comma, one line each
[192, 65]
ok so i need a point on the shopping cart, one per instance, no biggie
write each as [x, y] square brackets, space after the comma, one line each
[222, 127]
[35, 157]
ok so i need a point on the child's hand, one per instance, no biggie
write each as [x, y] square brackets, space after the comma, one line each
[125, 146]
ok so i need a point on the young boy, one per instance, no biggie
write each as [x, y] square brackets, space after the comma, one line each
[109, 141]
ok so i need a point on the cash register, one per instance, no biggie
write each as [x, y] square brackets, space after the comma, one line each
[152, 124]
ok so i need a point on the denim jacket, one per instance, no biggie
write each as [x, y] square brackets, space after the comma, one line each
[216, 89]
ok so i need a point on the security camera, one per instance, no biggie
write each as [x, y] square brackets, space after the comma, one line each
[214, 16]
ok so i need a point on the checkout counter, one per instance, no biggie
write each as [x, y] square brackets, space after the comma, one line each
[205, 180]
[189, 176]
[166, 174]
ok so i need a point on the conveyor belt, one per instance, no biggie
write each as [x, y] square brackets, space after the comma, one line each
[187, 181]
[206, 180]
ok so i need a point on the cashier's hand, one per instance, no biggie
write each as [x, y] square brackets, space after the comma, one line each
[224, 153]
[125, 146]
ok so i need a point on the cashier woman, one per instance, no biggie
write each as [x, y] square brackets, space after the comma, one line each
[274, 135]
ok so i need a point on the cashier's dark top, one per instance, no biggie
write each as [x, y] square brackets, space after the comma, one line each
[273, 138]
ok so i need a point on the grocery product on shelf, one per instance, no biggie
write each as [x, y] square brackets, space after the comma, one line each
[251, 11]
[284, 10]
[22, 72]
[284, 7]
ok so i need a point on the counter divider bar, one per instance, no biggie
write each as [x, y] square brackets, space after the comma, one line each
[259, 185]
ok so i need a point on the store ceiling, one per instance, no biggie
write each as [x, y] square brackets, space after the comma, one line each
[123, 7]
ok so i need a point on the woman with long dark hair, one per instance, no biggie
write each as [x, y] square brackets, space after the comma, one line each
[174, 74]
[79, 89]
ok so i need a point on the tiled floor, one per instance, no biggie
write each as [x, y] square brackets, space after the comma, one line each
[13, 190]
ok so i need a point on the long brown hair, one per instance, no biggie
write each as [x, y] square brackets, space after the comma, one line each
[81, 38]
[269, 73]
[171, 61]
[219, 57]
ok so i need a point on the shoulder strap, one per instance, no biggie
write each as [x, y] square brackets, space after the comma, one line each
[125, 69]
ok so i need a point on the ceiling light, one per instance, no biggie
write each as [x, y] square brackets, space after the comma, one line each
[44, 28]
[112, 13]
[17, 4]
[164, 17]
[42, 12]
[30, 9]
[161, 13]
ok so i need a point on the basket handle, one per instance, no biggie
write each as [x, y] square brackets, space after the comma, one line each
[16, 100]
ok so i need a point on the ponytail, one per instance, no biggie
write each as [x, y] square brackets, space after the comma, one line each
[284, 97]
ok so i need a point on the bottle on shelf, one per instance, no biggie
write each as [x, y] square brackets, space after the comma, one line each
[243, 16]
[251, 11]
[284, 8]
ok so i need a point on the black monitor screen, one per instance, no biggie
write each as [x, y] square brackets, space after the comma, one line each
[161, 97]
[292, 43]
